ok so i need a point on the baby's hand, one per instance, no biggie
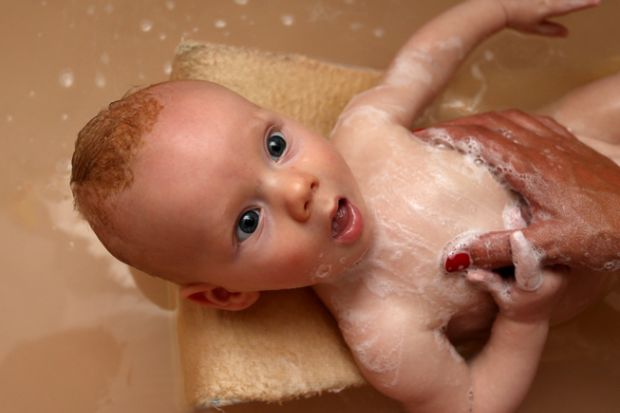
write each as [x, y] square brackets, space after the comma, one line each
[533, 294]
[531, 16]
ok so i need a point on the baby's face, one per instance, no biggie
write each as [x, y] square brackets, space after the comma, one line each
[230, 194]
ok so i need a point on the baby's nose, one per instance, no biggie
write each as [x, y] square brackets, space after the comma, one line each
[298, 192]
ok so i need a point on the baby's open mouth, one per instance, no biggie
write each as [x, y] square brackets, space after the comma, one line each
[347, 222]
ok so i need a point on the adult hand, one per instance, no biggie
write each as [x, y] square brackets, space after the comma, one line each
[571, 193]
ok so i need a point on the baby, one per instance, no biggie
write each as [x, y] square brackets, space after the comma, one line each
[192, 183]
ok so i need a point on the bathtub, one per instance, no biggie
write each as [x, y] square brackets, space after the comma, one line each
[84, 333]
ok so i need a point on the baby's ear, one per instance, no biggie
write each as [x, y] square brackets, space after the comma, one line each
[219, 297]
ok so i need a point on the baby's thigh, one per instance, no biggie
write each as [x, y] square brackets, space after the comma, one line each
[592, 113]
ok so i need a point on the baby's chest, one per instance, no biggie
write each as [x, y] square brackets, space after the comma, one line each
[421, 198]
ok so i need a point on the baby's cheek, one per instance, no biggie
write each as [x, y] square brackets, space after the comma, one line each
[294, 259]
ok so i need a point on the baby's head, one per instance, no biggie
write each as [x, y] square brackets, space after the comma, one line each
[190, 182]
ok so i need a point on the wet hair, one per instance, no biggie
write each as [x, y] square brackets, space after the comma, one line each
[104, 149]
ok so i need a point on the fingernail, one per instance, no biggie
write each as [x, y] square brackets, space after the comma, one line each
[457, 262]
[476, 276]
[417, 130]
[532, 284]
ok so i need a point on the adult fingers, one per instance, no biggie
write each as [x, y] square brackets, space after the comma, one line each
[543, 241]
[531, 127]
[553, 125]
[489, 250]
[513, 125]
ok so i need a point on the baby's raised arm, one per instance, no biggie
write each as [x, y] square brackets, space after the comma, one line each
[426, 62]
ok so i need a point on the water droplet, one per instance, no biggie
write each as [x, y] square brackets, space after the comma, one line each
[349, 1]
[39, 35]
[44, 3]
[162, 36]
[9, 118]
[146, 25]
[287, 19]
[167, 68]
[104, 58]
[64, 117]
[31, 94]
[170, 5]
[241, 2]
[355, 26]
[378, 32]
[71, 244]
[108, 8]
[90, 10]
[66, 78]
[219, 24]
[100, 80]
[195, 30]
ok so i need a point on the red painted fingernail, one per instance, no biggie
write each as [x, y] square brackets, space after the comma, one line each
[457, 262]
[417, 130]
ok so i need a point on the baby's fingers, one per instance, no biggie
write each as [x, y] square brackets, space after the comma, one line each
[551, 29]
[489, 281]
[528, 271]
[561, 7]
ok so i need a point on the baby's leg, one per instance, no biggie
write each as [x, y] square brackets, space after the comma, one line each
[592, 113]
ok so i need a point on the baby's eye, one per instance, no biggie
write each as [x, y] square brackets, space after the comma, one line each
[276, 145]
[248, 222]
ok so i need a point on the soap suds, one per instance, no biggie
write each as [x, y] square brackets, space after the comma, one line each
[409, 69]
[526, 260]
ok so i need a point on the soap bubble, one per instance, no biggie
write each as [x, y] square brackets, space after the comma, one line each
[287, 19]
[219, 24]
[104, 58]
[66, 78]
[100, 80]
[355, 26]
[167, 68]
[146, 25]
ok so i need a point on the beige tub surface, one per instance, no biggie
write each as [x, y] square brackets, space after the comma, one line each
[80, 333]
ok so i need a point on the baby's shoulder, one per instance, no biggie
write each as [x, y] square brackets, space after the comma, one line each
[366, 129]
